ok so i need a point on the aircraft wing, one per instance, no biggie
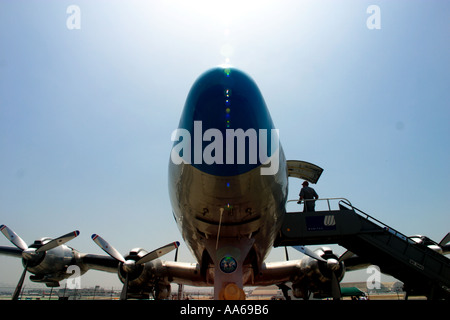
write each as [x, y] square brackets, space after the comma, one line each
[183, 273]
[304, 276]
[354, 262]
[97, 262]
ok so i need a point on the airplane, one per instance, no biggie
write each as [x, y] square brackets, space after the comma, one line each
[50, 260]
[228, 187]
[442, 247]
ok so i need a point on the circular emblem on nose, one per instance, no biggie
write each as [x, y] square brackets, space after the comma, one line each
[228, 264]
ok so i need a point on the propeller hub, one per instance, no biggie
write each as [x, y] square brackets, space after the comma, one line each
[129, 266]
[29, 253]
[333, 264]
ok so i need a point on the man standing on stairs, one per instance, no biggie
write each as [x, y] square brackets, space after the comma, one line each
[309, 196]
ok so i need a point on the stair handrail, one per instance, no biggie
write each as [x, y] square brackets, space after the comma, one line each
[321, 199]
[360, 212]
[382, 224]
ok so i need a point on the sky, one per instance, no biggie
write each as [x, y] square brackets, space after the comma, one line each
[89, 97]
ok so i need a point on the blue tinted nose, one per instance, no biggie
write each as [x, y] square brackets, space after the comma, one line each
[228, 123]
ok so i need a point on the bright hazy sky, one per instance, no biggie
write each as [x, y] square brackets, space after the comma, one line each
[86, 114]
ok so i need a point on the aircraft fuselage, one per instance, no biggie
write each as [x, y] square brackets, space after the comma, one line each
[227, 175]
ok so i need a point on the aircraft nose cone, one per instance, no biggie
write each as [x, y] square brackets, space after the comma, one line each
[225, 98]
[224, 108]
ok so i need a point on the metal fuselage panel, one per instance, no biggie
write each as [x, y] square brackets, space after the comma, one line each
[249, 205]
[217, 189]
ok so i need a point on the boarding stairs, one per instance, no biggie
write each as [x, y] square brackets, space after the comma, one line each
[423, 271]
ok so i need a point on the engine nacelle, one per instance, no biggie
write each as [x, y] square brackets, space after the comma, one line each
[144, 279]
[316, 276]
[50, 267]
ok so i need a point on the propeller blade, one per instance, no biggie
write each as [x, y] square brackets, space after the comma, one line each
[158, 252]
[445, 240]
[107, 248]
[20, 284]
[58, 241]
[309, 253]
[335, 287]
[124, 293]
[13, 237]
[346, 255]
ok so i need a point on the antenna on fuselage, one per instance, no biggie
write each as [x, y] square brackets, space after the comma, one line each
[286, 253]
[218, 231]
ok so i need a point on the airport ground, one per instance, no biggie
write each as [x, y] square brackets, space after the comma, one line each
[387, 291]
